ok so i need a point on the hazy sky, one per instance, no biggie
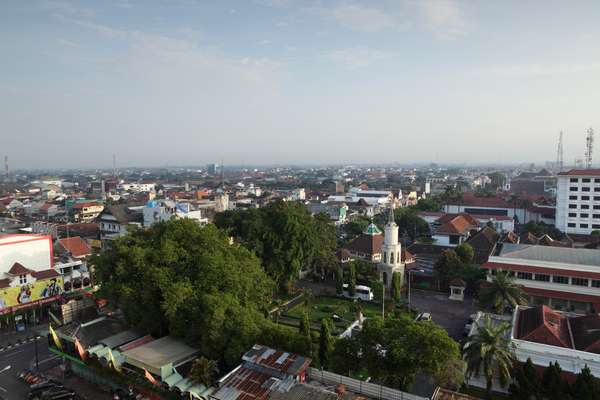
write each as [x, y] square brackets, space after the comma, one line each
[276, 81]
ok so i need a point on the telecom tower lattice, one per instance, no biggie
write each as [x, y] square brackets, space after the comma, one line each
[559, 153]
[589, 146]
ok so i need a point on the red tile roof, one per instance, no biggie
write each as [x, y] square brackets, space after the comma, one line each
[76, 246]
[4, 283]
[469, 199]
[45, 274]
[453, 224]
[18, 269]
[581, 172]
[366, 244]
[543, 325]
[86, 204]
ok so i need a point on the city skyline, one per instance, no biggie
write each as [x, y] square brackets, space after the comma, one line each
[296, 82]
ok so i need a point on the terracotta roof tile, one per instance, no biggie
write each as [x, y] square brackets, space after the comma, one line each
[45, 274]
[581, 172]
[76, 246]
[366, 244]
[18, 269]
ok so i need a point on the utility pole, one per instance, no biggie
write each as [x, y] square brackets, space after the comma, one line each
[559, 152]
[589, 147]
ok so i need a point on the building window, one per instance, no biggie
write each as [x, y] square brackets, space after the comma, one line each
[525, 275]
[597, 180]
[22, 279]
[583, 226]
[595, 283]
[596, 198]
[563, 280]
[454, 239]
[585, 207]
[595, 226]
[572, 206]
[585, 198]
[579, 281]
[596, 207]
[572, 215]
[542, 278]
[585, 189]
[574, 180]
[584, 215]
[586, 180]
[572, 197]
[597, 189]
[571, 225]
[596, 216]
[573, 188]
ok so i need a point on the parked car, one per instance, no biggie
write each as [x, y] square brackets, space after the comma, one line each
[425, 316]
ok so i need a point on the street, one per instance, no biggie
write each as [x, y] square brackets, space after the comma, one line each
[20, 357]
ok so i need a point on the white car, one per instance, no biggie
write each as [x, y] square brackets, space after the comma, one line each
[423, 317]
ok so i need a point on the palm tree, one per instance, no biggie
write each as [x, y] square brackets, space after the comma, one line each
[203, 371]
[489, 351]
[502, 291]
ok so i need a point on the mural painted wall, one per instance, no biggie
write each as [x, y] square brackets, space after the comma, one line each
[22, 296]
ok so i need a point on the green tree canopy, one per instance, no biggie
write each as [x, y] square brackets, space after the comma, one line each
[554, 387]
[527, 384]
[325, 343]
[396, 289]
[447, 265]
[395, 350]
[465, 252]
[285, 237]
[188, 281]
[203, 371]
[501, 292]
[585, 386]
[489, 353]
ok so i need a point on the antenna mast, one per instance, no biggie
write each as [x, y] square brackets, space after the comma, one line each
[559, 152]
[589, 146]
[114, 165]
[6, 170]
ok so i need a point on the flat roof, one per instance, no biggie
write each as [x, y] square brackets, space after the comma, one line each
[158, 353]
[563, 255]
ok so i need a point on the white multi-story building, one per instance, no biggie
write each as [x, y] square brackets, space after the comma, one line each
[164, 210]
[562, 278]
[578, 201]
[371, 197]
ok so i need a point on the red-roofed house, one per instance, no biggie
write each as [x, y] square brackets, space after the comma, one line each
[454, 229]
[75, 246]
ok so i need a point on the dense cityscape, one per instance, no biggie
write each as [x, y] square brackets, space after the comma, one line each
[299, 200]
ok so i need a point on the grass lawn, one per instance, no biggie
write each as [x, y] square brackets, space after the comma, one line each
[326, 307]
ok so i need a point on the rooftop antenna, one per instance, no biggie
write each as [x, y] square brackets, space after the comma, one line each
[589, 146]
[114, 165]
[559, 152]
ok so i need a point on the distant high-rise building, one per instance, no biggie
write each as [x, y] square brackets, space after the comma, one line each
[578, 201]
[211, 169]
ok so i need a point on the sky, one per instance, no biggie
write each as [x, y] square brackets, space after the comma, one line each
[186, 82]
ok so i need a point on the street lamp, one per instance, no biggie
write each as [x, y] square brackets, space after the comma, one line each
[409, 279]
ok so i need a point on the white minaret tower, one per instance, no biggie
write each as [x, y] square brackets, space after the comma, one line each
[391, 252]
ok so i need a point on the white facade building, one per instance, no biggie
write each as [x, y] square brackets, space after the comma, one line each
[391, 253]
[578, 201]
[371, 197]
[164, 210]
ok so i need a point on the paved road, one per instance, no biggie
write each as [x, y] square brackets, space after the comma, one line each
[451, 315]
[20, 357]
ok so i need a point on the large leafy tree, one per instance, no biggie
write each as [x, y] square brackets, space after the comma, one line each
[409, 223]
[501, 292]
[325, 343]
[554, 387]
[305, 331]
[188, 281]
[351, 272]
[465, 252]
[203, 371]
[396, 290]
[447, 265]
[285, 237]
[395, 350]
[527, 384]
[488, 352]
[585, 386]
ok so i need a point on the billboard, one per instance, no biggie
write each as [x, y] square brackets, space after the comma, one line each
[32, 251]
[38, 292]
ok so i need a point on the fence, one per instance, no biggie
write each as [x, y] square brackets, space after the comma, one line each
[371, 390]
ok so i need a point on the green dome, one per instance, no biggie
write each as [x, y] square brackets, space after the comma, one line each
[372, 229]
